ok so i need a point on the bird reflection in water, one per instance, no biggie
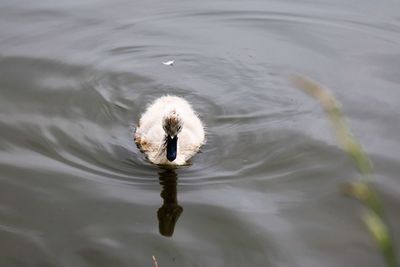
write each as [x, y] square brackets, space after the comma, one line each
[170, 211]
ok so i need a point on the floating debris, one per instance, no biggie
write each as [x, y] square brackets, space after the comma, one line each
[155, 261]
[169, 62]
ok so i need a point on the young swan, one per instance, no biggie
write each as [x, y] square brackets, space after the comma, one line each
[169, 132]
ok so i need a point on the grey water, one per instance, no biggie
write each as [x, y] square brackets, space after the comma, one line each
[265, 189]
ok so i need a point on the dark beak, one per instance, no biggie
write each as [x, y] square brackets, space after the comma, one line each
[172, 147]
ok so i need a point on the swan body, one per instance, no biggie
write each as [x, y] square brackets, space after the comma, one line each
[169, 131]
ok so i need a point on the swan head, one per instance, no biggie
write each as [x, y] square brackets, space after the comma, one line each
[172, 125]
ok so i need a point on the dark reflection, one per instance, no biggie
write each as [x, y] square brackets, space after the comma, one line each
[170, 211]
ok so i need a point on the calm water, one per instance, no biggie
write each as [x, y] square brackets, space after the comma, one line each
[76, 75]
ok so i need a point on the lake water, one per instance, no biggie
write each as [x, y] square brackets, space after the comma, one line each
[265, 190]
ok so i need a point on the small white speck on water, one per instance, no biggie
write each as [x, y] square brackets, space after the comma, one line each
[169, 62]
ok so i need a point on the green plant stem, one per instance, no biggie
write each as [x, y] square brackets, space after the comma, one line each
[362, 190]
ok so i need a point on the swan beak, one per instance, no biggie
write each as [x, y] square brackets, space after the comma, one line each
[172, 147]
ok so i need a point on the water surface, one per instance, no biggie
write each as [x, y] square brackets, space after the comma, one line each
[76, 75]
